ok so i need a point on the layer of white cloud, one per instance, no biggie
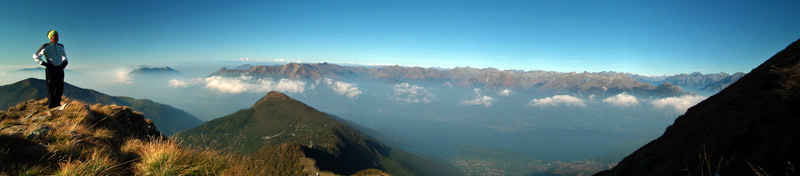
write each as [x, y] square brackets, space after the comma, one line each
[556, 101]
[228, 85]
[486, 101]
[342, 88]
[505, 92]
[179, 83]
[409, 93]
[479, 99]
[289, 85]
[235, 85]
[622, 100]
[678, 104]
[123, 77]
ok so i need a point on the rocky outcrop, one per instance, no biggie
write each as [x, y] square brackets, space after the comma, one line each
[33, 136]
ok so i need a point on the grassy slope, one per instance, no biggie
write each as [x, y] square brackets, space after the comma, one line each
[112, 140]
[168, 119]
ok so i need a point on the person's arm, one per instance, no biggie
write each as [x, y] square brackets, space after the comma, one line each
[63, 56]
[37, 56]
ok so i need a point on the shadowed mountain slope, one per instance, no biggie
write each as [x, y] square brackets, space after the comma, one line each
[168, 119]
[283, 130]
[749, 128]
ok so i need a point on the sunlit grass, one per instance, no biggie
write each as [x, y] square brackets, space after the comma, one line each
[98, 164]
[164, 157]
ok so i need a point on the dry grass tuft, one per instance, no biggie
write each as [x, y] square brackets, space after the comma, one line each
[9, 122]
[67, 140]
[76, 110]
[164, 157]
[98, 164]
[102, 133]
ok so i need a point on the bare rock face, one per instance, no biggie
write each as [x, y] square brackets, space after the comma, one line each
[39, 132]
[749, 128]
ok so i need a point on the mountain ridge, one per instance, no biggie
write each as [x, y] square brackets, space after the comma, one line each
[723, 83]
[695, 81]
[748, 128]
[277, 121]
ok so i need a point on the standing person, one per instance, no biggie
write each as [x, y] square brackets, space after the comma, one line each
[55, 61]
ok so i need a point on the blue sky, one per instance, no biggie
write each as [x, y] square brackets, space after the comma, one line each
[650, 37]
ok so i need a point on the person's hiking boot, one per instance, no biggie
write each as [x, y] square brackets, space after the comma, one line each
[61, 108]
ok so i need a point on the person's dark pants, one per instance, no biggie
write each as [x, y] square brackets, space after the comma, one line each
[55, 85]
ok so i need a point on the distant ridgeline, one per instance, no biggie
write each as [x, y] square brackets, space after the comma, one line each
[696, 81]
[148, 70]
[608, 83]
[38, 69]
[167, 119]
[284, 132]
[748, 128]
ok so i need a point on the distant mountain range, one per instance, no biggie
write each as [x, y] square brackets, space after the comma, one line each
[288, 133]
[38, 69]
[695, 81]
[168, 119]
[723, 83]
[148, 70]
[748, 128]
[610, 83]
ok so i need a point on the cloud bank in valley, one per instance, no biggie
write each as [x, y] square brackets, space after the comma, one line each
[123, 77]
[505, 92]
[677, 104]
[409, 93]
[557, 101]
[622, 100]
[342, 88]
[241, 84]
[484, 100]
